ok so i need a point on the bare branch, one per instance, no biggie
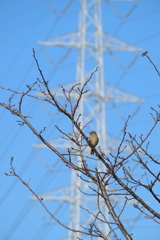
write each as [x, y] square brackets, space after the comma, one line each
[146, 55]
[40, 200]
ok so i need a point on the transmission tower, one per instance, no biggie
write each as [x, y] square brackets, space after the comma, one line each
[91, 42]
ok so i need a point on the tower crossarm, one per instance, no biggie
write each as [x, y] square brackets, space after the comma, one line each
[71, 40]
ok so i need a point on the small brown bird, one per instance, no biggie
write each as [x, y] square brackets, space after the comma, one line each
[93, 140]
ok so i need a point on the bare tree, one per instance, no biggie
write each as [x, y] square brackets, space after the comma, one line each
[117, 166]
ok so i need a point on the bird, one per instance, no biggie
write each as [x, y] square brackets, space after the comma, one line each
[93, 139]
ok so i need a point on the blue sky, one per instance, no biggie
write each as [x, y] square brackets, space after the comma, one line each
[23, 24]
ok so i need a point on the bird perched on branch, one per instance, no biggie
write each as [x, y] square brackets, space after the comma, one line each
[93, 140]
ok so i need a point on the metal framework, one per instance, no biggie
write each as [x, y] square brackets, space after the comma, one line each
[91, 42]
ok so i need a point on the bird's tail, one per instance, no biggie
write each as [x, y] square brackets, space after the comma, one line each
[92, 151]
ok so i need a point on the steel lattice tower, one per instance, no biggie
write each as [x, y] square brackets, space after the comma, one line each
[91, 42]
